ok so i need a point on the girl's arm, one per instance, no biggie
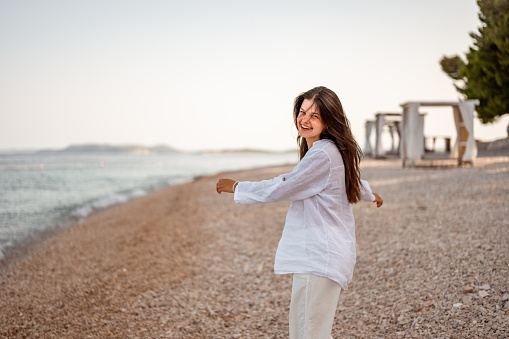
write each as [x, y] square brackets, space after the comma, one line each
[308, 178]
[368, 195]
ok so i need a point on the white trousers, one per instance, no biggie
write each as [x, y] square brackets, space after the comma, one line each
[313, 306]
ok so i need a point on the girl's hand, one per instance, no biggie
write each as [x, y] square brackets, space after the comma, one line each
[225, 185]
[379, 201]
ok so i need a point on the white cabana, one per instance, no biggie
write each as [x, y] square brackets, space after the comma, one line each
[380, 123]
[412, 138]
[378, 126]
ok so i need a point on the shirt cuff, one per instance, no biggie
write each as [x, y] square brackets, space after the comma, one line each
[236, 195]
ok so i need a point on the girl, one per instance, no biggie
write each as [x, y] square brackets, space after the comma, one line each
[318, 240]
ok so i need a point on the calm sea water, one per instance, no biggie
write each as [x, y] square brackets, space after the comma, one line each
[44, 192]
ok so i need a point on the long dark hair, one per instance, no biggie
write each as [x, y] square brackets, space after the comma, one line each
[337, 129]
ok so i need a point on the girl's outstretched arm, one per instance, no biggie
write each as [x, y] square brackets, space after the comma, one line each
[308, 178]
[378, 200]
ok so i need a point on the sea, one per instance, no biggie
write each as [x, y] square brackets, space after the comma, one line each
[44, 192]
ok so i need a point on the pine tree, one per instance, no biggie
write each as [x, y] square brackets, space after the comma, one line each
[485, 74]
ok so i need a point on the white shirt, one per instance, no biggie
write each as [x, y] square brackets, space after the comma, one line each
[319, 233]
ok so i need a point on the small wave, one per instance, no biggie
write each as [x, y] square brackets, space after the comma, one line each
[105, 202]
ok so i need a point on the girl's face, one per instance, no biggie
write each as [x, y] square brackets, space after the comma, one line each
[309, 122]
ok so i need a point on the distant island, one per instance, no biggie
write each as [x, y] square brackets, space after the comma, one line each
[140, 149]
[247, 150]
[104, 148]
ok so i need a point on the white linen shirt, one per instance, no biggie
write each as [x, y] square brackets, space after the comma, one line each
[319, 233]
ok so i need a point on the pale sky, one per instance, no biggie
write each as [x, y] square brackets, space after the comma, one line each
[219, 74]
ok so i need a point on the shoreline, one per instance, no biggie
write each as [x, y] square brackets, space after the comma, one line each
[50, 192]
[185, 262]
[23, 247]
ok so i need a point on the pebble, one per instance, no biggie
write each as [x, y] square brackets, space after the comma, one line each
[467, 300]
[468, 289]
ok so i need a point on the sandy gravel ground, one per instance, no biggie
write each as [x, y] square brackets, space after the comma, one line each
[187, 263]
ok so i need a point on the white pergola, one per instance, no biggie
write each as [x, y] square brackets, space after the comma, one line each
[412, 138]
[378, 124]
[393, 122]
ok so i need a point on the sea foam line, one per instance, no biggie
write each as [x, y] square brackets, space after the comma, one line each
[106, 201]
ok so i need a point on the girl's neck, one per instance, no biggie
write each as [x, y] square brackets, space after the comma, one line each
[310, 142]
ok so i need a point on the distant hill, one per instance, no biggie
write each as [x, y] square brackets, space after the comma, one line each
[139, 149]
[246, 150]
[104, 148]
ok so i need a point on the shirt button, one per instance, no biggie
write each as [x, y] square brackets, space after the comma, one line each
[284, 178]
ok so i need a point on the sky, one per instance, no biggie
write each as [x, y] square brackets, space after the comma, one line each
[199, 75]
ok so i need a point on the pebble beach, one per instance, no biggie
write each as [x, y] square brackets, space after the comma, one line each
[185, 262]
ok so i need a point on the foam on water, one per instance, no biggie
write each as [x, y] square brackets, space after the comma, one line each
[105, 202]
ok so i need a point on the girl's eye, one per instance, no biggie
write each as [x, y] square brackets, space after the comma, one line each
[315, 116]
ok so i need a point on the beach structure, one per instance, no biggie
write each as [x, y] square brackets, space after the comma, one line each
[393, 124]
[384, 121]
[412, 128]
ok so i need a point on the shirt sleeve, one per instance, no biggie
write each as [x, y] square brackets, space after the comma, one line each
[366, 194]
[307, 179]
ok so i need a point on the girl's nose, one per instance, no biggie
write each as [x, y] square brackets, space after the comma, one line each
[304, 119]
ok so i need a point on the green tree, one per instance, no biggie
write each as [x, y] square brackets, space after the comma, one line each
[485, 73]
